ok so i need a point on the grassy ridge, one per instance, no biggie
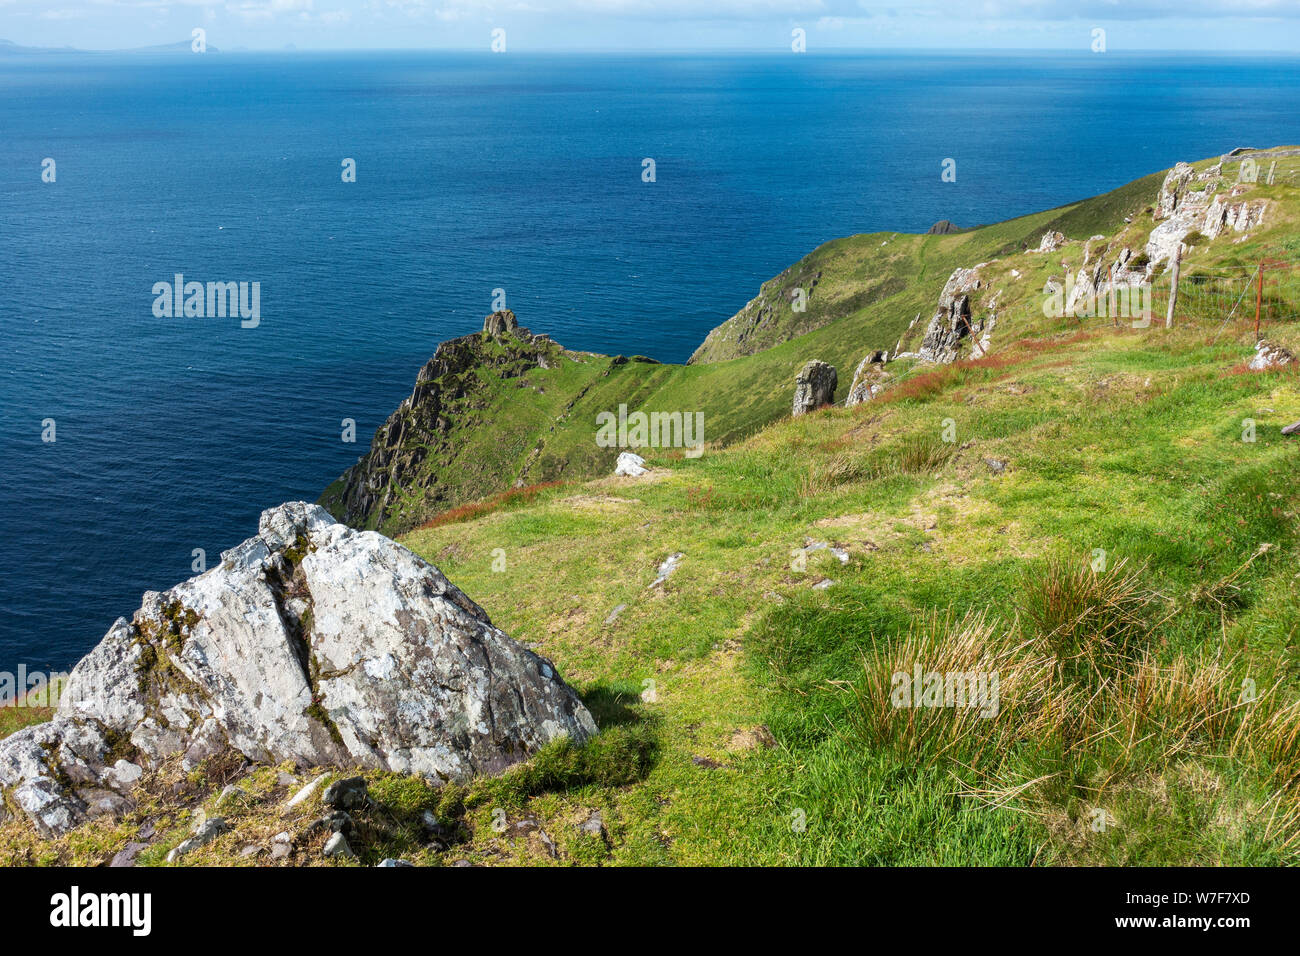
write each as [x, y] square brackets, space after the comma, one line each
[868, 289]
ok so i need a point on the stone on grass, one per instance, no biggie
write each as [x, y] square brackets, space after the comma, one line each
[126, 856]
[1268, 356]
[630, 465]
[303, 795]
[814, 387]
[311, 643]
[205, 831]
[337, 847]
[667, 567]
[346, 794]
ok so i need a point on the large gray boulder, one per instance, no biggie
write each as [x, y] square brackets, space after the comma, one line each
[310, 642]
[814, 386]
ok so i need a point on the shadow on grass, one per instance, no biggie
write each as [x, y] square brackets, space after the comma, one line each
[612, 704]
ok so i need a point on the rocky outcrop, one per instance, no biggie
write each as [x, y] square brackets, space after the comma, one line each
[814, 386]
[1191, 203]
[1269, 356]
[785, 307]
[954, 320]
[312, 643]
[371, 492]
[1223, 215]
[1174, 189]
[1051, 242]
[868, 378]
[1089, 294]
[942, 228]
[1182, 209]
[501, 323]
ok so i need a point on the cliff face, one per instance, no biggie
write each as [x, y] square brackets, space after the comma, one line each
[456, 383]
[780, 311]
[499, 409]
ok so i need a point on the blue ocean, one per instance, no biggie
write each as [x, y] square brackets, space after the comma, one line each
[473, 173]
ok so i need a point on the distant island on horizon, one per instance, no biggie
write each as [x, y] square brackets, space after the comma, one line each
[10, 48]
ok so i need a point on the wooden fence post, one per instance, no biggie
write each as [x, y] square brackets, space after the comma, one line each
[1259, 298]
[1173, 287]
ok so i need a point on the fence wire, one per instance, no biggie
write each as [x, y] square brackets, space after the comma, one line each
[1234, 297]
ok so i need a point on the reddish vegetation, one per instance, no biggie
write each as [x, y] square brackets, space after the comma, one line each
[1243, 368]
[476, 509]
[1042, 345]
[944, 376]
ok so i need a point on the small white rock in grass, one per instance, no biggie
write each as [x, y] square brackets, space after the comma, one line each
[630, 465]
[205, 831]
[305, 793]
[1269, 356]
[839, 554]
[231, 793]
[668, 566]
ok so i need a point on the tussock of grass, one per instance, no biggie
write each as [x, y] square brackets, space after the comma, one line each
[915, 455]
[926, 385]
[1089, 620]
[1030, 704]
[1143, 717]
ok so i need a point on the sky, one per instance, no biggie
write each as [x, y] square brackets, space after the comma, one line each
[1230, 26]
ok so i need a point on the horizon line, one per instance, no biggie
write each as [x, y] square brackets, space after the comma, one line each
[161, 48]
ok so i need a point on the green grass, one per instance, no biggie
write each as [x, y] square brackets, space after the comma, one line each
[1149, 467]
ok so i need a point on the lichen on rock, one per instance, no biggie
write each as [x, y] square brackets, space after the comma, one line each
[311, 642]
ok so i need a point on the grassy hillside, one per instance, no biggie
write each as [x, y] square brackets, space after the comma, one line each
[1128, 442]
[1105, 516]
[847, 279]
[511, 432]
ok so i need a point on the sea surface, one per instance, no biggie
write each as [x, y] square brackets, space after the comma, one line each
[474, 173]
